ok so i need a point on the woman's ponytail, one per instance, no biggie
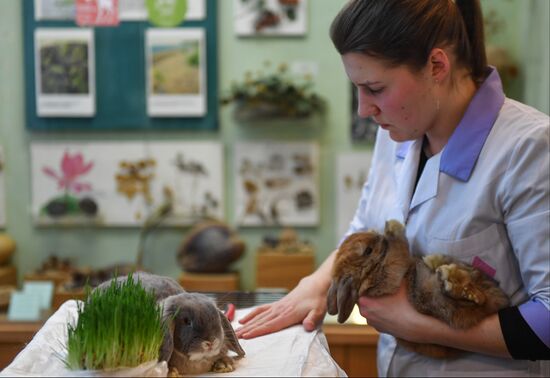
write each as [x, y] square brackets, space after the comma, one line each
[473, 20]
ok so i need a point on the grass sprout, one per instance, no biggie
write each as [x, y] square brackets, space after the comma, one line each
[120, 326]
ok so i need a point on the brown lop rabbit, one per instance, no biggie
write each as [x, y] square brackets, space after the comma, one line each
[373, 264]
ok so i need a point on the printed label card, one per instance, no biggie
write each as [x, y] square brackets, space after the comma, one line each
[176, 78]
[43, 290]
[54, 9]
[132, 10]
[64, 72]
[196, 10]
[24, 307]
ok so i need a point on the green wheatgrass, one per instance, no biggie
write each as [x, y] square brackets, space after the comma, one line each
[120, 326]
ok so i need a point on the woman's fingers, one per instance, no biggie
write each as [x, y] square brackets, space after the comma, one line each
[312, 320]
[268, 322]
[252, 314]
[255, 319]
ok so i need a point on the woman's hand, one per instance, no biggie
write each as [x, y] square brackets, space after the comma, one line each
[394, 314]
[306, 303]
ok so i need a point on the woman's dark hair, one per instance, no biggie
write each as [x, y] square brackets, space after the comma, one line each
[405, 31]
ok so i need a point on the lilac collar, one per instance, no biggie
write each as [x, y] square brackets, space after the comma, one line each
[464, 146]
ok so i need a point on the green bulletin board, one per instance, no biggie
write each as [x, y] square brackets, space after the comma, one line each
[120, 78]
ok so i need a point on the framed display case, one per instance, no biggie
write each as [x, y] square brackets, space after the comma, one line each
[116, 73]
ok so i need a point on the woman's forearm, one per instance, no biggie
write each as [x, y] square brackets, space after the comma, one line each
[322, 276]
[484, 338]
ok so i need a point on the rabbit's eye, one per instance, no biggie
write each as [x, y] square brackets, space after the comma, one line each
[367, 251]
[186, 321]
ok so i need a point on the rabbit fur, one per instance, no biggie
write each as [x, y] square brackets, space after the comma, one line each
[198, 335]
[373, 264]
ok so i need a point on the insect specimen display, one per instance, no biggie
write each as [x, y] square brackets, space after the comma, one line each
[276, 183]
[125, 183]
[270, 17]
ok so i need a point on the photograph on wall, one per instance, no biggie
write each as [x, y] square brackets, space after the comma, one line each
[276, 183]
[270, 17]
[352, 169]
[136, 10]
[2, 190]
[64, 72]
[362, 129]
[176, 72]
[54, 9]
[126, 183]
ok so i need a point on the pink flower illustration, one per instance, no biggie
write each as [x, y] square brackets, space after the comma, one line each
[71, 168]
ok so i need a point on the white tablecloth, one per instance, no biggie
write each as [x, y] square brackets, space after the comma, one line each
[292, 352]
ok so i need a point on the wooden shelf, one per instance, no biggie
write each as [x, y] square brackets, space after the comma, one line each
[209, 281]
[13, 338]
[8, 275]
[282, 270]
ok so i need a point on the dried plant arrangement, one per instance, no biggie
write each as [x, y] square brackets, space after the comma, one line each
[274, 94]
[120, 326]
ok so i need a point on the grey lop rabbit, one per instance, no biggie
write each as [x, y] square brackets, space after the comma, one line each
[373, 264]
[198, 335]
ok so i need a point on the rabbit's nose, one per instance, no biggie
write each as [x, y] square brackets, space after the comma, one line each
[207, 345]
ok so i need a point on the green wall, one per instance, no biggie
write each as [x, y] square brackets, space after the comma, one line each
[101, 247]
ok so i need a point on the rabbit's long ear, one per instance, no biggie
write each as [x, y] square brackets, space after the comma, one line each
[167, 346]
[230, 337]
[346, 297]
[332, 304]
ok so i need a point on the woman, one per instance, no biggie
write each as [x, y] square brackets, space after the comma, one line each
[467, 171]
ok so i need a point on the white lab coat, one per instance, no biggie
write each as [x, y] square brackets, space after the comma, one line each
[490, 203]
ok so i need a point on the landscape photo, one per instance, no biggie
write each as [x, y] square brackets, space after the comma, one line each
[176, 68]
[176, 72]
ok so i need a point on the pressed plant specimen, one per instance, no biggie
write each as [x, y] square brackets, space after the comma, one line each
[69, 180]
